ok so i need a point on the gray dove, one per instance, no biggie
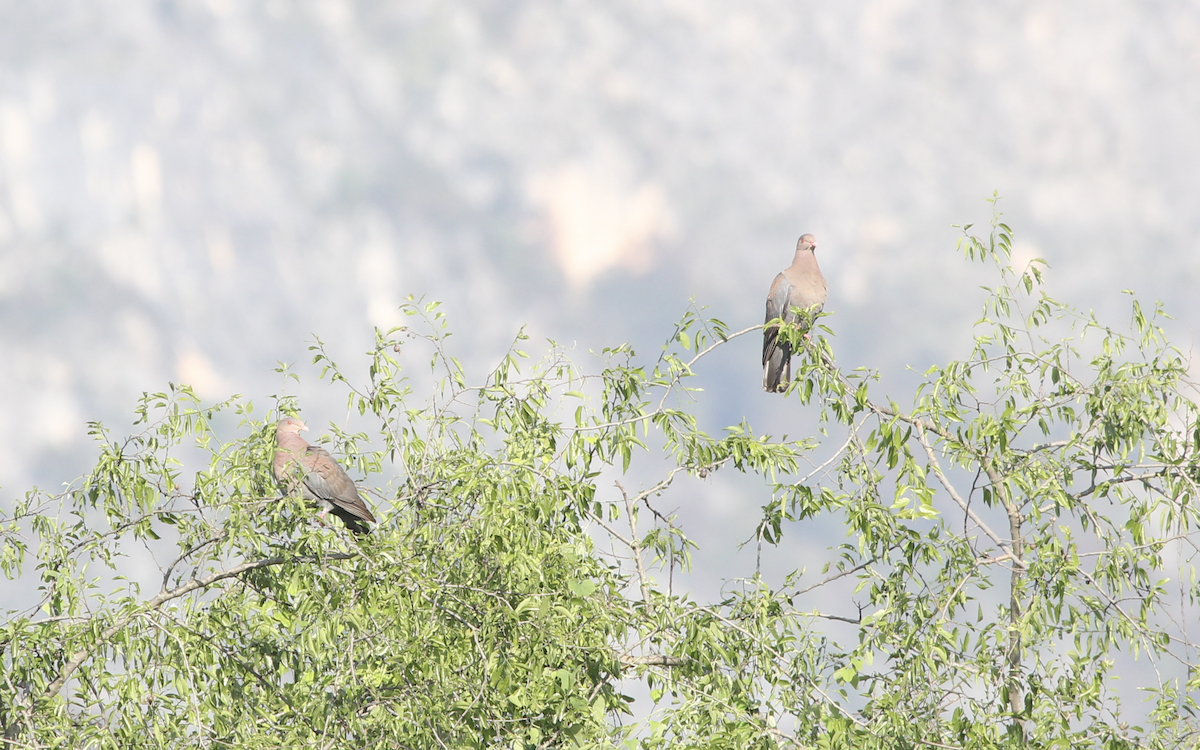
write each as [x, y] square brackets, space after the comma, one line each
[799, 285]
[311, 471]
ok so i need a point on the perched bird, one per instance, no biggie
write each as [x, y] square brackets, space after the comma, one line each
[311, 471]
[799, 285]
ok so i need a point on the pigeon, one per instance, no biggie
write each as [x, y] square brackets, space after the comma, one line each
[311, 471]
[799, 285]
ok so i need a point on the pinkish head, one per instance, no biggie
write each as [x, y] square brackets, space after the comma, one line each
[289, 424]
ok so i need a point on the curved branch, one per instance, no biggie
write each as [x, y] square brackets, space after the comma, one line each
[79, 657]
[937, 471]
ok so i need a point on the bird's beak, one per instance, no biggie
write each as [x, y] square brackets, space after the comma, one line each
[304, 427]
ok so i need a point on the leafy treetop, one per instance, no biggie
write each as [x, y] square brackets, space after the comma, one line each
[1014, 540]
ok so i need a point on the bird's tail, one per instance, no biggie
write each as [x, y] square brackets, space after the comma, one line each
[777, 370]
[353, 522]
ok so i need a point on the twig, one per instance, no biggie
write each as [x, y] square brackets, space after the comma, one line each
[653, 660]
[636, 548]
[833, 578]
[937, 471]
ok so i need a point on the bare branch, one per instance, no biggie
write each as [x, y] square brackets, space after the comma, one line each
[653, 660]
[636, 548]
[937, 471]
[834, 577]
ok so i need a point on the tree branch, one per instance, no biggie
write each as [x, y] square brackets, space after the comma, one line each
[79, 657]
[653, 660]
[636, 548]
[937, 471]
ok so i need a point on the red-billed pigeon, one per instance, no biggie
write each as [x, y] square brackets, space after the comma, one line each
[310, 470]
[799, 285]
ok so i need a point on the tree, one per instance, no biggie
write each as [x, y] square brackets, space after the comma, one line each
[1016, 538]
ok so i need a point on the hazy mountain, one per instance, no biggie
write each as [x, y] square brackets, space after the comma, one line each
[190, 190]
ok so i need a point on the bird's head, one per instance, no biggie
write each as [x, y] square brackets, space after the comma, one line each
[290, 424]
[806, 242]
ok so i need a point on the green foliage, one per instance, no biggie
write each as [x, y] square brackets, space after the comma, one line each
[1019, 537]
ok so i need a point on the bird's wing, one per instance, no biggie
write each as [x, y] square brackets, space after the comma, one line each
[777, 307]
[325, 479]
[777, 298]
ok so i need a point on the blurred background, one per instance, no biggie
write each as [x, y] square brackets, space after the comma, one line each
[190, 190]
